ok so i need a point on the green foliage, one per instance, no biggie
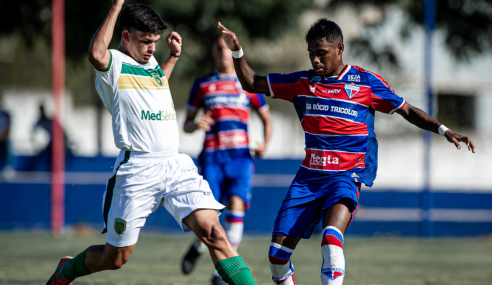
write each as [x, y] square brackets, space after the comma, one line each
[196, 20]
[467, 26]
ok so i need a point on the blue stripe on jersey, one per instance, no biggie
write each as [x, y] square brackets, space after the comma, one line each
[336, 143]
[316, 106]
[227, 125]
[227, 100]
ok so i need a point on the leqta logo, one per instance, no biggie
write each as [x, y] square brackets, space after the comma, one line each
[316, 78]
[352, 90]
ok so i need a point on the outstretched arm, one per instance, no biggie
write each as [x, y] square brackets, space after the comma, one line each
[422, 120]
[250, 81]
[99, 55]
[174, 42]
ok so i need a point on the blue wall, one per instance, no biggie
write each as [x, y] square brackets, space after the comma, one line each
[26, 205]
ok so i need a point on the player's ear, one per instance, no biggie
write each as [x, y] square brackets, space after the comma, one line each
[126, 36]
[340, 48]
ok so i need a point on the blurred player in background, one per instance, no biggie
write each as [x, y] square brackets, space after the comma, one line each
[336, 104]
[225, 161]
[149, 171]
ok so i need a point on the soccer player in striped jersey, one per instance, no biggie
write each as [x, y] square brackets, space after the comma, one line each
[225, 161]
[149, 172]
[336, 105]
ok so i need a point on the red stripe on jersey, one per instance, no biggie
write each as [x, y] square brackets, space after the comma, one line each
[332, 126]
[229, 139]
[277, 261]
[330, 239]
[332, 160]
[242, 114]
[219, 86]
[337, 91]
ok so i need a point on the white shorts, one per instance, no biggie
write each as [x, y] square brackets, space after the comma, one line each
[143, 181]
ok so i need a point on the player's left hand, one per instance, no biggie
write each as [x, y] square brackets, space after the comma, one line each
[174, 42]
[455, 138]
[260, 150]
[230, 38]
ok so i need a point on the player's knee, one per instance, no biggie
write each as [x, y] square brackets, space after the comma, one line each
[117, 263]
[215, 236]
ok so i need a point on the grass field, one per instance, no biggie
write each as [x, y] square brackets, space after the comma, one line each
[31, 259]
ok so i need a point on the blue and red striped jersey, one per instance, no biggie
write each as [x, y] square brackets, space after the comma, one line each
[337, 115]
[230, 106]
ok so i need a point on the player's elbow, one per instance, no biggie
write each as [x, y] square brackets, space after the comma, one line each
[94, 58]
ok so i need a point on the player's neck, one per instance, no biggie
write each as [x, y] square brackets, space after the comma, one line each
[337, 71]
[225, 70]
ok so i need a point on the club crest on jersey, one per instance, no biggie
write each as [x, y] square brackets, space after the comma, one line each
[352, 90]
[312, 89]
[119, 226]
[157, 78]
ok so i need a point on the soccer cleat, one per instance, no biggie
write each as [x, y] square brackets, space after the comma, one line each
[216, 280]
[189, 260]
[58, 278]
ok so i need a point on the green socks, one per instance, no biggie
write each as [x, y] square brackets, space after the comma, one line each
[234, 271]
[76, 267]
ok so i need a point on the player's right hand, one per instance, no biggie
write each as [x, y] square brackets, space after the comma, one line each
[205, 122]
[230, 38]
[118, 2]
[456, 138]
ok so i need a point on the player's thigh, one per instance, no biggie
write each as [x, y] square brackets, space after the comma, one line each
[338, 215]
[340, 206]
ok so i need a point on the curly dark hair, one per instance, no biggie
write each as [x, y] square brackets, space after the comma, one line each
[324, 28]
[141, 18]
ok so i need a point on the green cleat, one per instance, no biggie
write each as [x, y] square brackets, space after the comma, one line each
[58, 278]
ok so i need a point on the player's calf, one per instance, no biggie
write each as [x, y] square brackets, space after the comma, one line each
[333, 268]
[280, 264]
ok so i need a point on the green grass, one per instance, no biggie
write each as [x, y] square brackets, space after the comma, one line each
[30, 258]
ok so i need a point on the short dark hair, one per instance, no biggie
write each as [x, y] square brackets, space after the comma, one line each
[141, 18]
[324, 28]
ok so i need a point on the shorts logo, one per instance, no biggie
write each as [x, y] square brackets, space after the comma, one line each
[157, 78]
[208, 193]
[351, 90]
[119, 226]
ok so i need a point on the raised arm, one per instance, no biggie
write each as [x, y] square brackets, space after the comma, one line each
[250, 81]
[99, 55]
[174, 42]
[422, 120]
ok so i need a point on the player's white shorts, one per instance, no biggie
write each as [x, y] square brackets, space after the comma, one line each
[143, 181]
